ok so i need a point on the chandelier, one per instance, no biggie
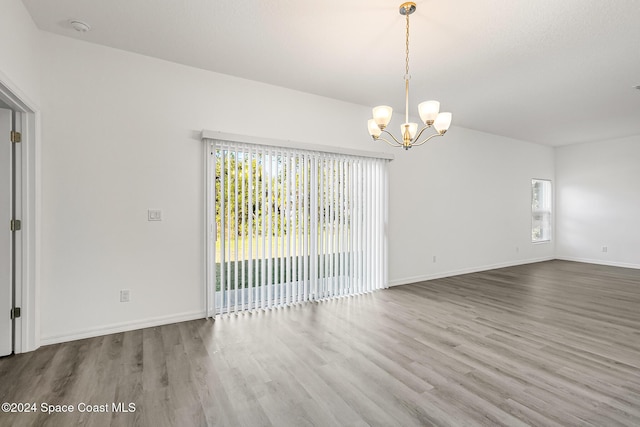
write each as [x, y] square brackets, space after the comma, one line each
[429, 111]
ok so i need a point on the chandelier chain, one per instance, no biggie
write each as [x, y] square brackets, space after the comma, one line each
[407, 46]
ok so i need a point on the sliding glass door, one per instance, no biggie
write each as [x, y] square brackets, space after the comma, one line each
[291, 225]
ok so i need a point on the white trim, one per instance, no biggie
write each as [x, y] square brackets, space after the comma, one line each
[8, 272]
[13, 95]
[210, 230]
[115, 328]
[599, 261]
[246, 139]
[423, 278]
[27, 327]
[549, 211]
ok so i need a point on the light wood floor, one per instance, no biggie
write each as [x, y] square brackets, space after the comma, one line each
[548, 344]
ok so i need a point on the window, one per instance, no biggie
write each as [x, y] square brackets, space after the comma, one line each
[290, 225]
[540, 210]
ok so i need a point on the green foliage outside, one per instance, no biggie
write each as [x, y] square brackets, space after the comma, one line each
[279, 192]
[283, 270]
[263, 197]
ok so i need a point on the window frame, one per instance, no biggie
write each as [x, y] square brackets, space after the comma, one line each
[546, 234]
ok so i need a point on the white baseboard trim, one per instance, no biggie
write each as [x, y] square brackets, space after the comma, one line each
[599, 261]
[115, 328]
[415, 279]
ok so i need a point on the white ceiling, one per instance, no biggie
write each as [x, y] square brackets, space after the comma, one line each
[546, 71]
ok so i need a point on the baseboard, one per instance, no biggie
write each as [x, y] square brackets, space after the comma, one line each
[599, 261]
[440, 275]
[122, 327]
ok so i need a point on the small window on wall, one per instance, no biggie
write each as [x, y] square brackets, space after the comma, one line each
[540, 210]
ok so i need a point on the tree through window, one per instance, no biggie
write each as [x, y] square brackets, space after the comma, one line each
[540, 210]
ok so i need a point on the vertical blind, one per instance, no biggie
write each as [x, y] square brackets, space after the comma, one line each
[290, 225]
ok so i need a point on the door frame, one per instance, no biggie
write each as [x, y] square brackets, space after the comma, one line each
[27, 209]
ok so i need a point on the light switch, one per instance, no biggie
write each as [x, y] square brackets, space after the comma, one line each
[155, 215]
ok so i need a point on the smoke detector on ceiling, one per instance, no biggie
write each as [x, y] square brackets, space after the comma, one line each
[79, 26]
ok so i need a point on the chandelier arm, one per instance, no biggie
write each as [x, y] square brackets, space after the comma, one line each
[388, 142]
[422, 142]
[391, 135]
[420, 133]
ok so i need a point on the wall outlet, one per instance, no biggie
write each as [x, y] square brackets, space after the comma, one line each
[154, 215]
[125, 295]
[434, 258]
[605, 249]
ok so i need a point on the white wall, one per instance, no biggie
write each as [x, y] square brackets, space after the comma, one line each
[465, 199]
[122, 133]
[122, 136]
[598, 199]
[19, 51]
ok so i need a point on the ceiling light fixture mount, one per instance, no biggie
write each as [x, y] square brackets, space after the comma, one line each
[429, 111]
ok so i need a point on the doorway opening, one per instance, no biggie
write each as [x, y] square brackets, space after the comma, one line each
[19, 231]
[7, 247]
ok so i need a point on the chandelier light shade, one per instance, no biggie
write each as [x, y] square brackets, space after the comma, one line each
[429, 111]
